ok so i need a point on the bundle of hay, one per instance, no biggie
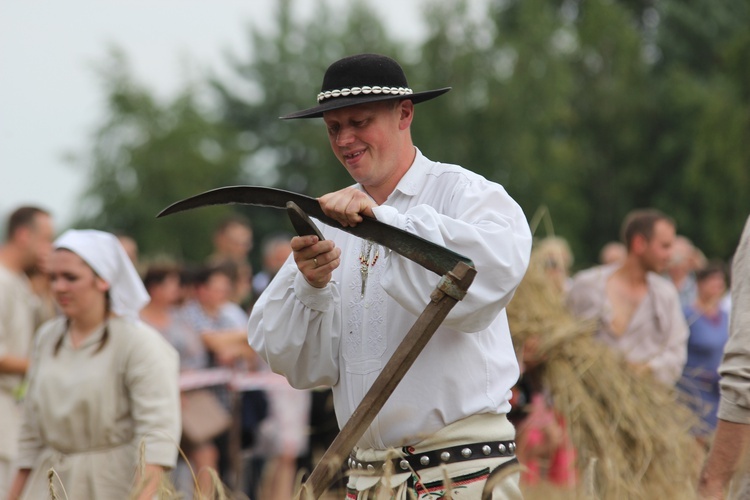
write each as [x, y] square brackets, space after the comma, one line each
[631, 433]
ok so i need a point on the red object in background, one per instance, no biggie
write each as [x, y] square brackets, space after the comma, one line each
[544, 446]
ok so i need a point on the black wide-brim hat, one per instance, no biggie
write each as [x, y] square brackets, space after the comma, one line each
[361, 79]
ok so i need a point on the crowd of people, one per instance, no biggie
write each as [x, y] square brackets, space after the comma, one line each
[98, 383]
[97, 380]
[109, 363]
[654, 299]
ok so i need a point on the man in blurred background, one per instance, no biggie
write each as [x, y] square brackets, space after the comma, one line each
[233, 240]
[637, 311]
[28, 244]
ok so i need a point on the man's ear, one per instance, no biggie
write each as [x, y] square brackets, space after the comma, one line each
[22, 235]
[639, 243]
[406, 110]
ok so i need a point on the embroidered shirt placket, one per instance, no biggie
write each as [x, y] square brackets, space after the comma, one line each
[367, 260]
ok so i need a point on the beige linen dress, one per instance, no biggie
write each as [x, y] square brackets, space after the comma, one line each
[86, 412]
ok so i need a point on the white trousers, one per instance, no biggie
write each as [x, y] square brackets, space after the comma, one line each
[467, 479]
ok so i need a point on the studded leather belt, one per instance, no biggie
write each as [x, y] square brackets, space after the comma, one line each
[434, 458]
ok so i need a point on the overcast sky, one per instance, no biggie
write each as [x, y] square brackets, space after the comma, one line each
[50, 99]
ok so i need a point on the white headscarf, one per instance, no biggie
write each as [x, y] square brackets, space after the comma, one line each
[104, 253]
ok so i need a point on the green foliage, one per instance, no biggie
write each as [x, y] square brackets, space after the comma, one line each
[702, 83]
[147, 155]
[589, 108]
[561, 91]
[596, 108]
[284, 76]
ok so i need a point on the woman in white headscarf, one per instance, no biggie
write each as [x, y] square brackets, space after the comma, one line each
[103, 386]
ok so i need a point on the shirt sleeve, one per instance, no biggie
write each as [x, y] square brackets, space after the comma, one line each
[296, 328]
[668, 364]
[151, 376]
[30, 442]
[4, 313]
[581, 298]
[481, 222]
[734, 405]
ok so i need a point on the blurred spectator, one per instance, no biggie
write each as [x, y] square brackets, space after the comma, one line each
[188, 276]
[220, 322]
[286, 431]
[554, 255]
[27, 246]
[544, 444]
[42, 288]
[637, 311]
[681, 269]
[162, 281]
[233, 240]
[131, 248]
[709, 330]
[613, 252]
[286, 434]
[102, 406]
[276, 250]
[221, 325]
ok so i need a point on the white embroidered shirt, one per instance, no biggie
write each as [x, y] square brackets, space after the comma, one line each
[340, 337]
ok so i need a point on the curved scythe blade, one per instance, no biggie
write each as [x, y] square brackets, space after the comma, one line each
[434, 257]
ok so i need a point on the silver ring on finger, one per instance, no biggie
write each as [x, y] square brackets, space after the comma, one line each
[315, 261]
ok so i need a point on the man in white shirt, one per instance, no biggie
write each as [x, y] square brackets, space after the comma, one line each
[28, 244]
[337, 310]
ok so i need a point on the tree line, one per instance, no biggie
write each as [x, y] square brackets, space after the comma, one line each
[587, 109]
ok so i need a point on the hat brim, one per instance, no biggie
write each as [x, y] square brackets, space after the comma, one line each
[343, 102]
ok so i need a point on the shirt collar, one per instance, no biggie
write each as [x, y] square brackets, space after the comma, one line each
[94, 338]
[412, 181]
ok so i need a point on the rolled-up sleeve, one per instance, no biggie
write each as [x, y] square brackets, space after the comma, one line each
[734, 405]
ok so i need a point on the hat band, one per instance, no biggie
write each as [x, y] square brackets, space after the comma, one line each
[328, 94]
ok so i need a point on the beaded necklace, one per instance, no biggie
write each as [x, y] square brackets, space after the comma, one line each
[366, 262]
